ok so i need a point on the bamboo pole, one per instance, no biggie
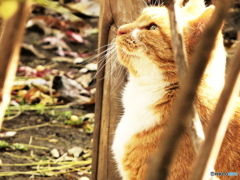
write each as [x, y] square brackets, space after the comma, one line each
[11, 38]
[182, 109]
[195, 127]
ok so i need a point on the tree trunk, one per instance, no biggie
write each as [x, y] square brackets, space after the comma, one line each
[110, 81]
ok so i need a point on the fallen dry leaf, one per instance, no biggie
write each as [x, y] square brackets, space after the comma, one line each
[86, 7]
[85, 79]
[74, 37]
[48, 21]
[55, 153]
[55, 42]
[75, 151]
[8, 134]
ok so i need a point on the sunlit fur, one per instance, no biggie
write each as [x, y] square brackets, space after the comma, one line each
[152, 87]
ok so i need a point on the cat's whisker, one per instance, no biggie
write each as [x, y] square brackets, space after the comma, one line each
[118, 85]
[101, 60]
[100, 54]
[114, 26]
[112, 71]
[112, 68]
[99, 70]
[146, 4]
[110, 44]
[111, 52]
[113, 41]
[120, 71]
[144, 45]
[115, 29]
[156, 3]
[108, 50]
[114, 64]
[140, 9]
[118, 76]
[160, 3]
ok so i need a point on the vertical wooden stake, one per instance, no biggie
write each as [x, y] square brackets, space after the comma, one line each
[11, 39]
[110, 81]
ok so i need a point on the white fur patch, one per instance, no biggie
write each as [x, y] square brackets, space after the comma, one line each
[138, 97]
[135, 33]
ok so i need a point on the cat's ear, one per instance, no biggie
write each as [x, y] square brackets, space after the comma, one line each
[195, 27]
[194, 7]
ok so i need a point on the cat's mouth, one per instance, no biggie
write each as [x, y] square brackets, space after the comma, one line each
[128, 46]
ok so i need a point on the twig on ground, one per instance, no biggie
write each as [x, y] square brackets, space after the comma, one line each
[32, 127]
[46, 169]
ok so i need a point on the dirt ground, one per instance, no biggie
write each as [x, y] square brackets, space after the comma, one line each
[53, 134]
[44, 145]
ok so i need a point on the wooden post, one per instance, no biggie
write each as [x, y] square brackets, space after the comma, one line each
[110, 81]
[1, 26]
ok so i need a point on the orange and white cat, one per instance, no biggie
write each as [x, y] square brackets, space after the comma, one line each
[144, 47]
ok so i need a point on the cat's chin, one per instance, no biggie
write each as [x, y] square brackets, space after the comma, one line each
[126, 55]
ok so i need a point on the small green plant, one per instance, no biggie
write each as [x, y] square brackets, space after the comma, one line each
[14, 146]
[18, 146]
[40, 108]
[63, 115]
[3, 144]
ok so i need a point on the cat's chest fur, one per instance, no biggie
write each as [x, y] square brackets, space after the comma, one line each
[138, 99]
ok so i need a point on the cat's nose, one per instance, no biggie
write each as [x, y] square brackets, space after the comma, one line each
[121, 31]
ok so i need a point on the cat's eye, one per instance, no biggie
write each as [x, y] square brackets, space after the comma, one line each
[152, 27]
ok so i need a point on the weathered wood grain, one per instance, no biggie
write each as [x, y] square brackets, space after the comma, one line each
[110, 80]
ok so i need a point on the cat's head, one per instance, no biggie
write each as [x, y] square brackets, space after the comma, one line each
[144, 46]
